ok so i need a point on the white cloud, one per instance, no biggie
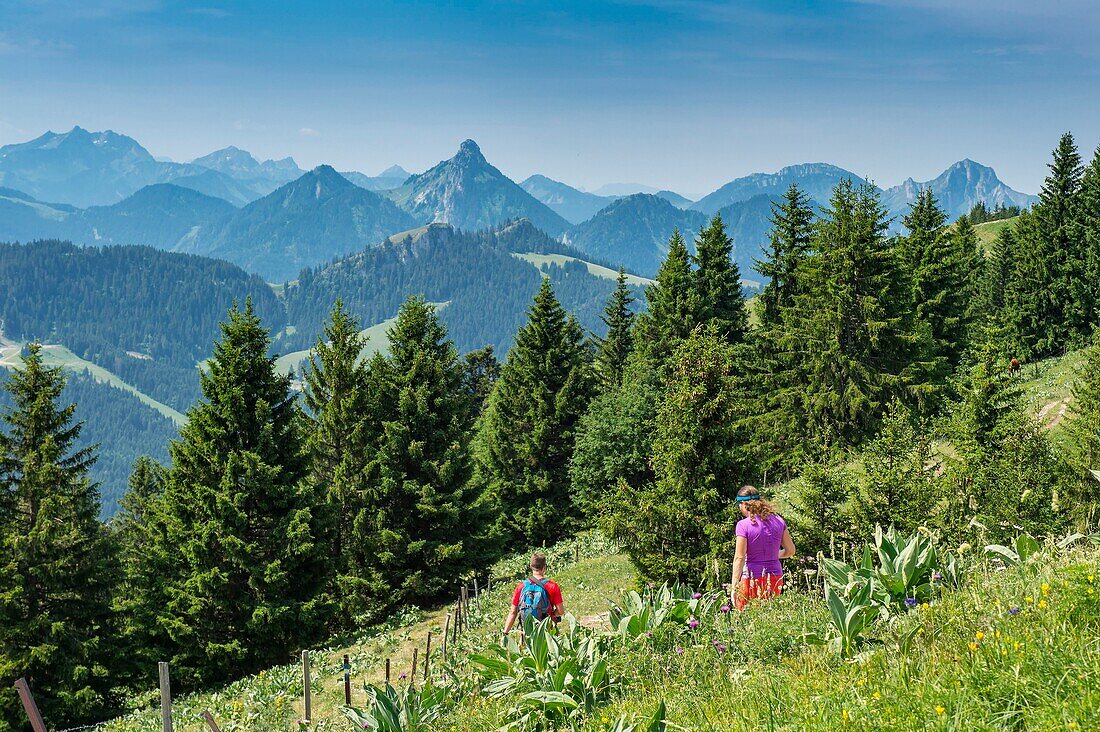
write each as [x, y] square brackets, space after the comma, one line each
[309, 132]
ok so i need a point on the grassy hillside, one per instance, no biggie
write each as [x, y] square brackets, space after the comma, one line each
[58, 355]
[988, 231]
[539, 260]
[377, 340]
[1013, 648]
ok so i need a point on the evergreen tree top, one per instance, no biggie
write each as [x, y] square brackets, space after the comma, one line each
[925, 215]
[36, 416]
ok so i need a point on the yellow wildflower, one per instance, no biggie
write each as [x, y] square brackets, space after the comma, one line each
[877, 695]
[1045, 588]
[1029, 599]
[1042, 604]
[844, 716]
[979, 635]
[940, 710]
[972, 646]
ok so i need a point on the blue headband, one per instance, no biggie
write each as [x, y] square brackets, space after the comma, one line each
[742, 499]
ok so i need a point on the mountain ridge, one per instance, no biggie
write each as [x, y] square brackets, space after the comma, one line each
[469, 193]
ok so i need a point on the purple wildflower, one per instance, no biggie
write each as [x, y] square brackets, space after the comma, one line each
[649, 634]
[725, 608]
[693, 623]
[719, 646]
[697, 595]
[910, 602]
[679, 651]
[1013, 610]
[937, 576]
[403, 676]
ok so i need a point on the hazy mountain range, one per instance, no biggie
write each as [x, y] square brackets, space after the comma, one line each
[273, 218]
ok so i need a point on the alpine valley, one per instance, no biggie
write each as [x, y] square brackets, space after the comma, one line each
[128, 263]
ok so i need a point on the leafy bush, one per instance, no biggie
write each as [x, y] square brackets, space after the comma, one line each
[552, 676]
[638, 613]
[400, 710]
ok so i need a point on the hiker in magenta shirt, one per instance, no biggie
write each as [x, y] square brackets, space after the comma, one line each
[762, 540]
[537, 596]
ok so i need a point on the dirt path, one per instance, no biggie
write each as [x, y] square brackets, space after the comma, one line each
[1058, 407]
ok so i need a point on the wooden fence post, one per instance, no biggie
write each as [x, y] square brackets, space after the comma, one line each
[427, 655]
[347, 681]
[412, 676]
[477, 595]
[165, 698]
[446, 632]
[210, 721]
[29, 706]
[305, 687]
[387, 672]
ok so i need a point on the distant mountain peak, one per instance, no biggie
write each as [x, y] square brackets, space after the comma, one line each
[467, 192]
[469, 147]
[394, 171]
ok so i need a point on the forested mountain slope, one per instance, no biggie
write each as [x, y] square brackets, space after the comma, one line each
[487, 290]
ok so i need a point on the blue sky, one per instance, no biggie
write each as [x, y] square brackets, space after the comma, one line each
[684, 94]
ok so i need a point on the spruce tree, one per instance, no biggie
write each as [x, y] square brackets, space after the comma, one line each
[673, 527]
[966, 253]
[526, 437]
[141, 574]
[58, 570]
[243, 547]
[718, 283]
[1067, 310]
[1004, 472]
[899, 487]
[481, 369]
[615, 348]
[673, 307]
[1033, 307]
[615, 440]
[939, 264]
[342, 428]
[773, 379]
[1088, 229]
[853, 327]
[792, 223]
[420, 528]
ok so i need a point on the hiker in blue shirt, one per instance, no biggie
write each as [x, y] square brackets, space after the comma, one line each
[536, 596]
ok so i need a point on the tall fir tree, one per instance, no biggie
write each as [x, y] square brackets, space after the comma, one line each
[614, 349]
[1089, 231]
[673, 307]
[1003, 472]
[853, 327]
[899, 486]
[1033, 308]
[141, 583]
[718, 283]
[421, 528]
[773, 379]
[938, 262]
[526, 437]
[788, 246]
[58, 569]
[673, 527]
[342, 429]
[481, 370]
[967, 251]
[242, 546]
[1057, 212]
